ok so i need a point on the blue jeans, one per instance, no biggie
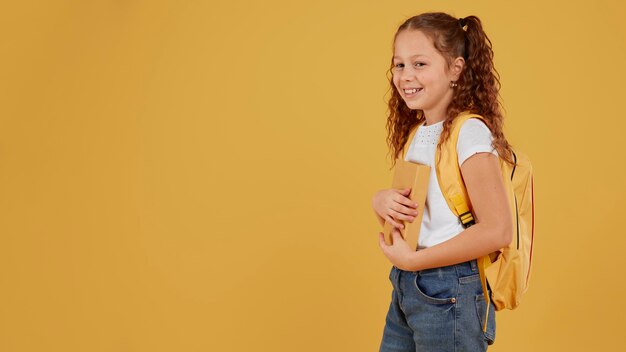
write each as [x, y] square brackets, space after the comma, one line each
[438, 309]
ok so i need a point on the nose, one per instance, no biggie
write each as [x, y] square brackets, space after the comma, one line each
[408, 74]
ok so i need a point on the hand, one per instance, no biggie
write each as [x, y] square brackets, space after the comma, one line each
[399, 253]
[394, 204]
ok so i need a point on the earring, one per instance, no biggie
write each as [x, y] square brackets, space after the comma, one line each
[453, 84]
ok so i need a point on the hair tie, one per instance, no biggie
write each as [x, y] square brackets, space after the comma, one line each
[462, 22]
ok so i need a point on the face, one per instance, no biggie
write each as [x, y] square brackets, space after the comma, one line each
[417, 64]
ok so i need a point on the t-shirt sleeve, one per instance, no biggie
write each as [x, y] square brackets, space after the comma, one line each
[474, 137]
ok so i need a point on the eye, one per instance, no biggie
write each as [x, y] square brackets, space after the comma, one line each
[419, 63]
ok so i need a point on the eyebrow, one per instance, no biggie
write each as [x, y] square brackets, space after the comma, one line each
[416, 55]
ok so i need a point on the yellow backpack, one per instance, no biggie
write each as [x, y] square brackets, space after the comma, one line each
[507, 270]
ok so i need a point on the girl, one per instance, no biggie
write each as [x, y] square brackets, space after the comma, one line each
[441, 67]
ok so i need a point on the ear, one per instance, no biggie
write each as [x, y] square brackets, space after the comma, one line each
[456, 68]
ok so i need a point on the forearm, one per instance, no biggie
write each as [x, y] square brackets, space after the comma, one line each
[474, 242]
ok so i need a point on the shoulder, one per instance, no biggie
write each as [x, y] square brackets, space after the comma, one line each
[474, 131]
[474, 126]
[474, 137]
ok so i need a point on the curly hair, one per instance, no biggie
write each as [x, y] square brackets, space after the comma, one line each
[478, 85]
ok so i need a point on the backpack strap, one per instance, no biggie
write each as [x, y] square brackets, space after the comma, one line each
[449, 173]
[453, 188]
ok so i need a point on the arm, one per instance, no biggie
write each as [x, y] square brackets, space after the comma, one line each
[494, 223]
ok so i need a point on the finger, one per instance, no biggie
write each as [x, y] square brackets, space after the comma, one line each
[397, 236]
[404, 217]
[393, 222]
[403, 191]
[402, 209]
[405, 201]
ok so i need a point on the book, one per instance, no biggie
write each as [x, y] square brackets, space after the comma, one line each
[408, 174]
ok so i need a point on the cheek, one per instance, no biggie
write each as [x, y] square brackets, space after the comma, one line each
[434, 84]
[396, 80]
[425, 78]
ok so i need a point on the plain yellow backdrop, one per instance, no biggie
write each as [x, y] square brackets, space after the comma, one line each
[197, 175]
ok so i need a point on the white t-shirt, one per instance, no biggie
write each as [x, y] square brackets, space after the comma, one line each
[439, 223]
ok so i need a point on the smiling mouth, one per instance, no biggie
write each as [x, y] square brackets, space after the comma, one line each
[412, 92]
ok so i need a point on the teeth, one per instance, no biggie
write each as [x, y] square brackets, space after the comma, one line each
[411, 91]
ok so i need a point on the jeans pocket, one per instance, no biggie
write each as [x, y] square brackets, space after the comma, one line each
[470, 279]
[481, 308]
[435, 290]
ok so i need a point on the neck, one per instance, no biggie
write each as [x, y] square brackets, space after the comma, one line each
[433, 118]
[432, 121]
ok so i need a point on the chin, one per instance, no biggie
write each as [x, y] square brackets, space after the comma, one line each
[413, 106]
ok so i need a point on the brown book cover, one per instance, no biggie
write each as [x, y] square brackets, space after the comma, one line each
[408, 174]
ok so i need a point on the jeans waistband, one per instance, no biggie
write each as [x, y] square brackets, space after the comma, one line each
[460, 269]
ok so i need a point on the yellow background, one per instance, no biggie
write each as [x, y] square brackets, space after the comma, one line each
[197, 175]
